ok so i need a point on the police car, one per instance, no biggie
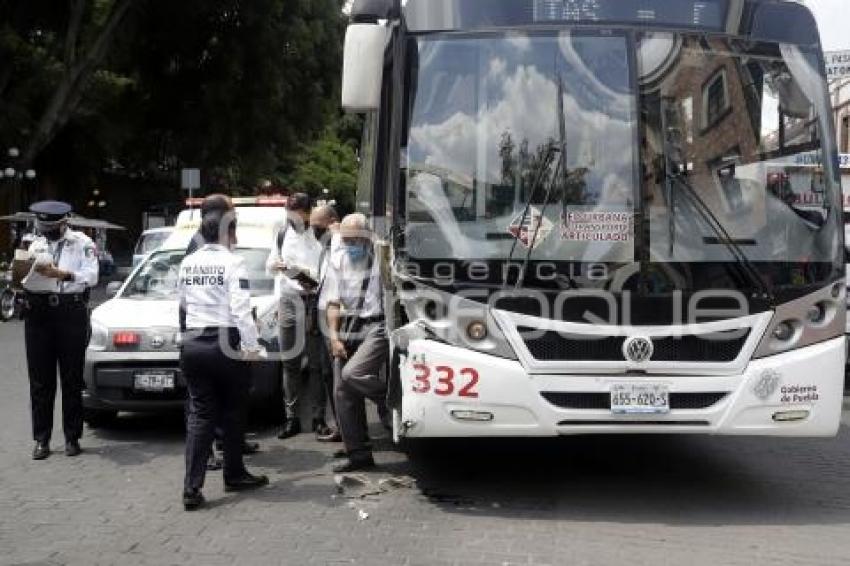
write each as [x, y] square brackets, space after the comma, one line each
[132, 361]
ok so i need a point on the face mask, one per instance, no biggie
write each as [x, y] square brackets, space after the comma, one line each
[53, 234]
[356, 252]
[319, 233]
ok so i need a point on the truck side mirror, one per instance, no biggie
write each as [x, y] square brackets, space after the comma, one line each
[363, 67]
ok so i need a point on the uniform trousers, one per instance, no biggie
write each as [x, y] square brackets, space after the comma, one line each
[300, 336]
[361, 378]
[218, 388]
[56, 334]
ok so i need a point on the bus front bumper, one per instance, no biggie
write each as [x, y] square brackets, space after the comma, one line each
[455, 392]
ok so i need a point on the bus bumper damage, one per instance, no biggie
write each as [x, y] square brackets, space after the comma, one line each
[453, 392]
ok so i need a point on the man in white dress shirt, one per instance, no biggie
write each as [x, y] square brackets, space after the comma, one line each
[352, 297]
[296, 259]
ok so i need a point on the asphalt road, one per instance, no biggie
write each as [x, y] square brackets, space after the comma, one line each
[609, 500]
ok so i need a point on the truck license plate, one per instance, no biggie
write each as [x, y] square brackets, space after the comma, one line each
[154, 381]
[645, 398]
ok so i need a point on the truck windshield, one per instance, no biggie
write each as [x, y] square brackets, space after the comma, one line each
[660, 138]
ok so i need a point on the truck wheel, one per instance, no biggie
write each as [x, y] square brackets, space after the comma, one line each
[99, 418]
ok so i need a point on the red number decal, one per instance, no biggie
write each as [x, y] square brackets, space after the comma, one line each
[421, 385]
[446, 379]
[467, 390]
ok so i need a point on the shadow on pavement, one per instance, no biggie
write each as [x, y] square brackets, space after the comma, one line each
[664, 479]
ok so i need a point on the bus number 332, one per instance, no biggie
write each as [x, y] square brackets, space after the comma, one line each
[442, 380]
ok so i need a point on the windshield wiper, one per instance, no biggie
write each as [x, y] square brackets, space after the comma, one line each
[546, 199]
[741, 260]
[542, 168]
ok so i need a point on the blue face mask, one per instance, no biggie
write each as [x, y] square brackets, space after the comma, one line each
[355, 252]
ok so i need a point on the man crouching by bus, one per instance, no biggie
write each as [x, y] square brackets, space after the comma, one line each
[352, 297]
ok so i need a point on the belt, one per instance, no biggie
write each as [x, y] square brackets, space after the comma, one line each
[56, 299]
[370, 319]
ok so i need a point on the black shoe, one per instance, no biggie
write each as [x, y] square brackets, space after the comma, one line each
[290, 429]
[250, 447]
[318, 424]
[341, 453]
[41, 450]
[246, 482]
[355, 464]
[193, 499]
[72, 448]
[213, 463]
[333, 435]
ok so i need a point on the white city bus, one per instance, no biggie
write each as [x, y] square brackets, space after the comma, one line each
[592, 218]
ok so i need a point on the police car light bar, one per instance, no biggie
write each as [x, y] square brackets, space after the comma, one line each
[269, 200]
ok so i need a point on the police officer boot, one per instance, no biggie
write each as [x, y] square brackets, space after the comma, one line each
[245, 482]
[192, 499]
[355, 462]
[41, 450]
[72, 448]
[290, 428]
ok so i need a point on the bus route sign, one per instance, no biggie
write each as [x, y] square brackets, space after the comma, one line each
[837, 64]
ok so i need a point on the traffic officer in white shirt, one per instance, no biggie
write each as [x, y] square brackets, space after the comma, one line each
[219, 334]
[358, 338]
[296, 259]
[64, 268]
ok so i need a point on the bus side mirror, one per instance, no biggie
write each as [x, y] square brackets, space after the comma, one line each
[363, 67]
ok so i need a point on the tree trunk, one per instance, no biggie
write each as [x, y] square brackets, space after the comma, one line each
[69, 91]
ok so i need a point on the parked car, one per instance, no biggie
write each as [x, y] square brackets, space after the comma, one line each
[150, 241]
[132, 361]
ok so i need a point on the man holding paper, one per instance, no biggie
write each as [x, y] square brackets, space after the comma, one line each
[296, 259]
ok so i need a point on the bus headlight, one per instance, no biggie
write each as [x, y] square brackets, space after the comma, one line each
[456, 320]
[784, 331]
[808, 320]
[477, 330]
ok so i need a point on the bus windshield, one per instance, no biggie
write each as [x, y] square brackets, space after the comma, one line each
[675, 153]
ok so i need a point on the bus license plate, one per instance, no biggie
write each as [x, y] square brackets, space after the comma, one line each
[629, 398]
[154, 381]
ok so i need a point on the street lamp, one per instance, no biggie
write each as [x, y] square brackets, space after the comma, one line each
[13, 152]
[30, 174]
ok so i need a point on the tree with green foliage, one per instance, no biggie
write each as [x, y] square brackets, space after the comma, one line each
[328, 163]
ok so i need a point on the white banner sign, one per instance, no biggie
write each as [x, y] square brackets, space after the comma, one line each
[837, 64]
[190, 179]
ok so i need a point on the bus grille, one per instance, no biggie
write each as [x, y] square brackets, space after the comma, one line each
[547, 345]
[602, 401]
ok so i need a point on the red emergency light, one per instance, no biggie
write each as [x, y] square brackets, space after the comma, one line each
[265, 200]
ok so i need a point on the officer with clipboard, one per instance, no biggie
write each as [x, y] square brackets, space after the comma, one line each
[61, 267]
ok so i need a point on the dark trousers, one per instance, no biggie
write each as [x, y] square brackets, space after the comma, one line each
[56, 335]
[360, 378]
[294, 348]
[218, 388]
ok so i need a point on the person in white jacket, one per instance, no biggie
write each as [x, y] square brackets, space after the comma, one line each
[297, 258]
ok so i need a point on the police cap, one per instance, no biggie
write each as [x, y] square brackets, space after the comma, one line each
[49, 213]
[50, 210]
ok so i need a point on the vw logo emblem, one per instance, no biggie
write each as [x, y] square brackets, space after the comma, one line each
[638, 349]
[157, 341]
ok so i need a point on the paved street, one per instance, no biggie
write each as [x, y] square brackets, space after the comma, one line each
[635, 500]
